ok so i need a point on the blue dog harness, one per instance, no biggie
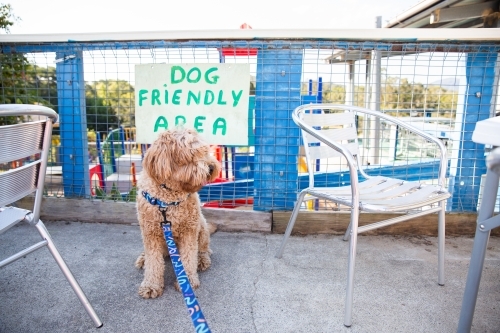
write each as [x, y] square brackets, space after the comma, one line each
[194, 309]
[162, 204]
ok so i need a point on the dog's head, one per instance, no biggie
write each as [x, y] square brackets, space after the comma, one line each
[180, 159]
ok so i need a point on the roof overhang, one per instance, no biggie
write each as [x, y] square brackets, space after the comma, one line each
[449, 14]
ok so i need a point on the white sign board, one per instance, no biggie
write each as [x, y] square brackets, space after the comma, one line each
[211, 98]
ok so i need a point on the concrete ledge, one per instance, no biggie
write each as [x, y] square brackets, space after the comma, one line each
[87, 210]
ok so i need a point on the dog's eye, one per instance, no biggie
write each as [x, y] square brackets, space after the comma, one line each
[163, 186]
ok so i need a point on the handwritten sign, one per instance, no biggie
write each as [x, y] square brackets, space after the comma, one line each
[211, 98]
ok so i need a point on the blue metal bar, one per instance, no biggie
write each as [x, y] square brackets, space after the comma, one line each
[320, 90]
[101, 159]
[226, 160]
[73, 124]
[251, 128]
[467, 169]
[122, 139]
[112, 151]
[276, 136]
[319, 100]
[244, 188]
[72, 46]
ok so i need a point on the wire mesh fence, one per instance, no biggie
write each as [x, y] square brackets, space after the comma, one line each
[440, 87]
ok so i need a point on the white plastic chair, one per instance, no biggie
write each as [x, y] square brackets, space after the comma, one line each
[332, 134]
[31, 140]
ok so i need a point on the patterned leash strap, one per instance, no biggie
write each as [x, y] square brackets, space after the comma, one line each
[194, 309]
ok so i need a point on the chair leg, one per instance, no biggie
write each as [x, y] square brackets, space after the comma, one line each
[291, 223]
[67, 273]
[347, 232]
[441, 243]
[350, 268]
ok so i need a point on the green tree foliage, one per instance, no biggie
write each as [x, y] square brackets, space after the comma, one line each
[119, 96]
[396, 94]
[7, 18]
[100, 115]
[16, 76]
[41, 82]
[400, 94]
[333, 94]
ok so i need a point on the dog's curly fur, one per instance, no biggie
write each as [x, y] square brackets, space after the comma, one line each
[175, 167]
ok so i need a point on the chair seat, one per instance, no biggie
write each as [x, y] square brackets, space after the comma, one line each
[383, 194]
[10, 216]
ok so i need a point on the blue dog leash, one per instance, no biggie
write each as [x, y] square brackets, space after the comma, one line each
[194, 309]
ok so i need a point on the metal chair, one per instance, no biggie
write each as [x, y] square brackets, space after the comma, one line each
[29, 141]
[486, 132]
[329, 130]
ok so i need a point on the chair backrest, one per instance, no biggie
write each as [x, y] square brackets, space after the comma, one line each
[24, 151]
[337, 126]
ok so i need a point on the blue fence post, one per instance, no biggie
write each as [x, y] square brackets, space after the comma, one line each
[277, 93]
[73, 124]
[466, 170]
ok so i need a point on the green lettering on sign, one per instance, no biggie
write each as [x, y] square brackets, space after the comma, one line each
[141, 96]
[176, 99]
[209, 97]
[193, 96]
[236, 98]
[198, 123]
[155, 97]
[219, 123]
[220, 101]
[197, 77]
[213, 79]
[173, 71]
[161, 122]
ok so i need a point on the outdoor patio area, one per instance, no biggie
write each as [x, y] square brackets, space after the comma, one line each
[246, 289]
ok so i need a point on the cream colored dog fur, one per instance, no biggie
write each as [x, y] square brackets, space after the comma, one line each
[175, 167]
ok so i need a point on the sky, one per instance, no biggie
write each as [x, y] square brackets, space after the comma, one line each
[63, 16]
[91, 16]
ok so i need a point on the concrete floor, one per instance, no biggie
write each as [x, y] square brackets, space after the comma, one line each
[247, 289]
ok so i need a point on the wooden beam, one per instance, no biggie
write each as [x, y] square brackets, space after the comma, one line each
[57, 209]
[234, 220]
[457, 224]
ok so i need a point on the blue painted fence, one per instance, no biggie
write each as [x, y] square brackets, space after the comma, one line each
[278, 91]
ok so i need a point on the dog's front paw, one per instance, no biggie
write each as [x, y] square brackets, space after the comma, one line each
[204, 260]
[150, 290]
[139, 262]
[194, 281]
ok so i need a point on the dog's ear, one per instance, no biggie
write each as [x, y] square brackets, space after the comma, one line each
[157, 160]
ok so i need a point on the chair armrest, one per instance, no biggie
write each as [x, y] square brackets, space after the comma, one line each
[27, 110]
[443, 165]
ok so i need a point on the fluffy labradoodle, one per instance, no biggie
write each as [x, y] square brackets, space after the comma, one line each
[175, 167]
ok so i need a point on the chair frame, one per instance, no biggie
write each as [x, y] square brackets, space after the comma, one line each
[10, 216]
[352, 195]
